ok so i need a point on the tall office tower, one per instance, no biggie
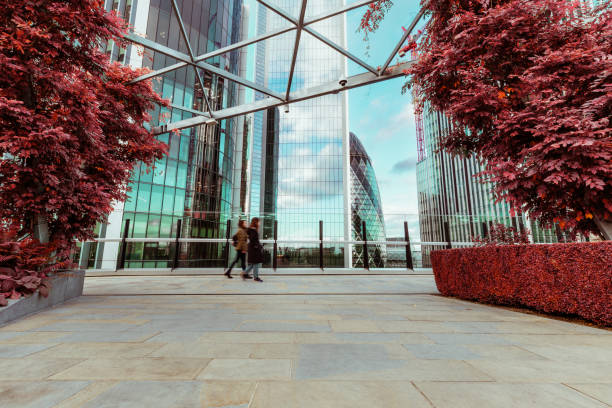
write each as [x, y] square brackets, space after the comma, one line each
[193, 183]
[449, 192]
[366, 207]
[311, 150]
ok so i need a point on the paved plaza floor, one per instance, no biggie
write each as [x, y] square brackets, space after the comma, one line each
[318, 342]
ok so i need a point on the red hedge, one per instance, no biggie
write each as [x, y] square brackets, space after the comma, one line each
[572, 279]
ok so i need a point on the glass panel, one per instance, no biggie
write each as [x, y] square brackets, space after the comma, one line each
[130, 203]
[179, 202]
[160, 171]
[156, 199]
[181, 179]
[144, 196]
[184, 148]
[171, 173]
[165, 227]
[174, 146]
[153, 228]
[146, 174]
[140, 226]
[168, 206]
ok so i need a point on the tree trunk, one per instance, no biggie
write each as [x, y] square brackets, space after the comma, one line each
[41, 229]
[605, 227]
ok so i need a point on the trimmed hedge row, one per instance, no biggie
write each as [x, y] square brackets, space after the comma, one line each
[571, 279]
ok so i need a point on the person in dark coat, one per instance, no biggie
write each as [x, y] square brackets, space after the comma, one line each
[256, 254]
[240, 242]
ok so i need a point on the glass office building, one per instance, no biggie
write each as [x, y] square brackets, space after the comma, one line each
[310, 152]
[366, 207]
[448, 191]
[193, 183]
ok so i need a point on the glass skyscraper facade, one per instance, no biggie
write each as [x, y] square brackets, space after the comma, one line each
[194, 182]
[448, 191]
[309, 153]
[366, 207]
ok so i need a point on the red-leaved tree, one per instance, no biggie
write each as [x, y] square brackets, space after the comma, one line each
[528, 86]
[71, 126]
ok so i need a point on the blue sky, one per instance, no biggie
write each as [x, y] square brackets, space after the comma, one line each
[381, 116]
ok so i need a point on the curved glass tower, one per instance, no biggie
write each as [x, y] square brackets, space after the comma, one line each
[366, 207]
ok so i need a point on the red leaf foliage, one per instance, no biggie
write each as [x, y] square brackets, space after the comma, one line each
[528, 85]
[24, 266]
[71, 127]
[570, 279]
[373, 15]
[500, 234]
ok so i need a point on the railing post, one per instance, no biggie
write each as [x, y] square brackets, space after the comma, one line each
[179, 224]
[227, 243]
[447, 235]
[560, 237]
[484, 230]
[123, 251]
[409, 264]
[321, 244]
[366, 255]
[275, 249]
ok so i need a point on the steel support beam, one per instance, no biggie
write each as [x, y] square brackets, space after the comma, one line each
[263, 37]
[296, 47]
[319, 36]
[190, 51]
[402, 41]
[215, 53]
[334, 87]
[341, 50]
[162, 49]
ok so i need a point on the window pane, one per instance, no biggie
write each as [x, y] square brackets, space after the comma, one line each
[184, 148]
[168, 206]
[160, 171]
[179, 202]
[165, 227]
[144, 196]
[156, 199]
[171, 173]
[153, 228]
[140, 225]
[130, 203]
[181, 179]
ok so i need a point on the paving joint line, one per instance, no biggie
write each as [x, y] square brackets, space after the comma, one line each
[264, 294]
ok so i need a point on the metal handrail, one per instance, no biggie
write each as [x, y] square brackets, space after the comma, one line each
[271, 241]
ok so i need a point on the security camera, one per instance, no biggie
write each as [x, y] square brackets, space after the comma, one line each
[286, 108]
[342, 81]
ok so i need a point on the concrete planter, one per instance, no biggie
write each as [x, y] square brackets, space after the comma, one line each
[64, 286]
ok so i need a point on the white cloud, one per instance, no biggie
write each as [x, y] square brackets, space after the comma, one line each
[398, 123]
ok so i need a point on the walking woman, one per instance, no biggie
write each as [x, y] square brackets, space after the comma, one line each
[256, 254]
[240, 243]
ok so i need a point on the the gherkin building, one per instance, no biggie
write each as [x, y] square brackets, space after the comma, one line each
[366, 206]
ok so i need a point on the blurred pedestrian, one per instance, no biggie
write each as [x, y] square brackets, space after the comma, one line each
[240, 243]
[256, 252]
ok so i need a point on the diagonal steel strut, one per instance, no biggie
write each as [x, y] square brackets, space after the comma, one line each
[238, 45]
[403, 40]
[317, 35]
[296, 47]
[189, 49]
[333, 87]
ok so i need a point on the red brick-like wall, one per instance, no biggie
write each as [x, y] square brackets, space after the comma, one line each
[572, 279]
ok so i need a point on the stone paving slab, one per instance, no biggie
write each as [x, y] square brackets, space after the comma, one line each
[273, 285]
[308, 351]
